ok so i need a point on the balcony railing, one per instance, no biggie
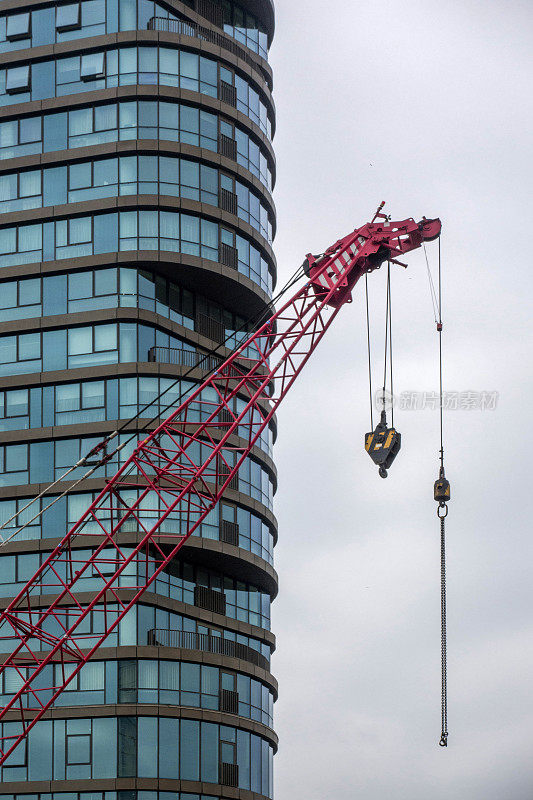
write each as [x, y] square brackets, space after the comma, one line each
[183, 358]
[161, 637]
[210, 327]
[186, 28]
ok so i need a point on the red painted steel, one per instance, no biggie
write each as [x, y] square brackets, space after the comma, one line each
[172, 480]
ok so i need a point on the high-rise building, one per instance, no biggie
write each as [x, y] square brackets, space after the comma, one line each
[136, 226]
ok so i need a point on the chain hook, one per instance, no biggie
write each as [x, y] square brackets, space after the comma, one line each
[443, 742]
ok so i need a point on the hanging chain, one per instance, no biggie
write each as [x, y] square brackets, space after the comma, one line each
[444, 676]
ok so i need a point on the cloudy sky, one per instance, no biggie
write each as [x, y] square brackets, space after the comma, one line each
[426, 105]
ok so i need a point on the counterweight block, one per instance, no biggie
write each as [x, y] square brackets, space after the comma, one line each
[383, 445]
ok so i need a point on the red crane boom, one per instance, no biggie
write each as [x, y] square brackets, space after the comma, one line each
[181, 470]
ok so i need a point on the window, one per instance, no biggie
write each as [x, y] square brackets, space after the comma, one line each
[68, 17]
[73, 231]
[12, 679]
[94, 345]
[92, 66]
[80, 402]
[18, 79]
[78, 755]
[13, 407]
[19, 26]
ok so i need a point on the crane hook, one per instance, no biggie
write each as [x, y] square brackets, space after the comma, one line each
[383, 445]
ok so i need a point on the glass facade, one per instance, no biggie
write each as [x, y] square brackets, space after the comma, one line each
[131, 120]
[131, 175]
[127, 66]
[131, 236]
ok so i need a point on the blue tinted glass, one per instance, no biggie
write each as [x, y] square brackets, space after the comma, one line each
[92, 65]
[104, 756]
[40, 741]
[55, 295]
[55, 186]
[68, 17]
[54, 350]
[18, 26]
[55, 131]
[189, 750]
[18, 79]
[106, 233]
[41, 462]
[169, 748]
[210, 753]
[147, 754]
[43, 80]
[16, 457]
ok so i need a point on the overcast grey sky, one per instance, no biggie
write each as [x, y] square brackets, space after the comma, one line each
[426, 105]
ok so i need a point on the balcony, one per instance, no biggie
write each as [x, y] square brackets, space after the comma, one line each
[159, 637]
[186, 28]
[183, 358]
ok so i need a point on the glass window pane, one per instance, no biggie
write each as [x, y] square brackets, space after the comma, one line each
[79, 176]
[16, 403]
[105, 337]
[106, 172]
[8, 187]
[16, 457]
[93, 394]
[18, 79]
[190, 173]
[80, 341]
[29, 346]
[80, 121]
[79, 230]
[30, 183]
[78, 749]
[18, 26]
[105, 281]
[68, 397]
[68, 17]
[190, 228]
[92, 65]
[8, 294]
[8, 240]
[8, 134]
[105, 117]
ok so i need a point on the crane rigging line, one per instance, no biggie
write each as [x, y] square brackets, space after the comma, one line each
[442, 494]
[257, 320]
[434, 302]
[389, 286]
[369, 353]
[388, 345]
[439, 329]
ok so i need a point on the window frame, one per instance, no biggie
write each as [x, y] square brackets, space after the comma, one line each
[68, 26]
[93, 76]
[20, 88]
[26, 34]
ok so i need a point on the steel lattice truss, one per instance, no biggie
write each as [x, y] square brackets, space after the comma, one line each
[173, 479]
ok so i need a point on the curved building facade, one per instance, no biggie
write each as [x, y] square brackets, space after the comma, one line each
[136, 229]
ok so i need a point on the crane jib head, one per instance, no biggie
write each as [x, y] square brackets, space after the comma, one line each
[335, 272]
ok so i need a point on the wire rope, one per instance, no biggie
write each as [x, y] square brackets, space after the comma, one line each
[369, 353]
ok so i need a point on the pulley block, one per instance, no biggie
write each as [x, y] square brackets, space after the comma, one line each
[383, 445]
[441, 489]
